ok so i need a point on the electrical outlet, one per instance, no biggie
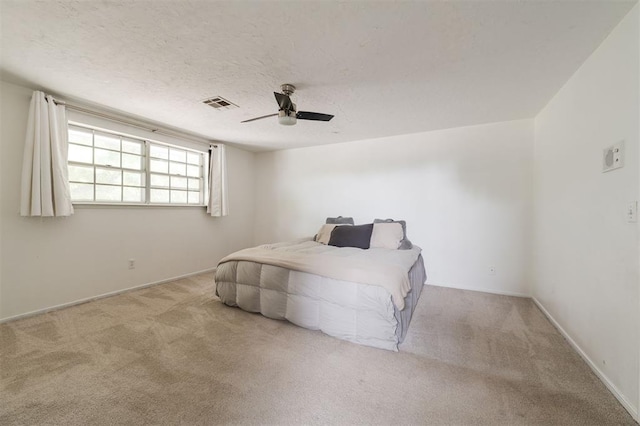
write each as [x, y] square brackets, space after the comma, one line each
[492, 270]
[132, 264]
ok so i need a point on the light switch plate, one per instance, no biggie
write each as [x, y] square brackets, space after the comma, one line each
[632, 212]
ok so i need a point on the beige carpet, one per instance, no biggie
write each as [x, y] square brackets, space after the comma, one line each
[173, 354]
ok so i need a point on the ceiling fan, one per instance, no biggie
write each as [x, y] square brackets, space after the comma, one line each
[287, 114]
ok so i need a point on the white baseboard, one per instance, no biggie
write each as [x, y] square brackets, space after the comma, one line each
[603, 378]
[102, 296]
[482, 290]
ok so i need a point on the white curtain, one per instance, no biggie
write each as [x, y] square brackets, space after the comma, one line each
[218, 203]
[45, 180]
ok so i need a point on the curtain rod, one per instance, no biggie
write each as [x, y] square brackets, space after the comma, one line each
[109, 117]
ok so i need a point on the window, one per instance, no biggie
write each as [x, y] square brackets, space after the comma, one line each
[112, 168]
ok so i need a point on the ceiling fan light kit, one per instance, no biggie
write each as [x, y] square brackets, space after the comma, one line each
[287, 111]
[287, 118]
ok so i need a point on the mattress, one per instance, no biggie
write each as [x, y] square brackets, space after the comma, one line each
[354, 311]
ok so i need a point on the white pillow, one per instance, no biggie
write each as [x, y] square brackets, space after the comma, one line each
[386, 235]
[324, 233]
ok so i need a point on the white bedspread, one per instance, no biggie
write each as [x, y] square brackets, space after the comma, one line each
[376, 266]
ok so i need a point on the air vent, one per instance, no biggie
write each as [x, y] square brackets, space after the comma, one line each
[219, 103]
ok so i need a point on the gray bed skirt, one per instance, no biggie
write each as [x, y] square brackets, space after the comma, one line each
[417, 278]
[359, 313]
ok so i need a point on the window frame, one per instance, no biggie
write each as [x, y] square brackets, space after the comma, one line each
[145, 170]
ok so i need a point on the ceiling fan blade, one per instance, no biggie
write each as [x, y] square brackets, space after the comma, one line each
[316, 116]
[284, 101]
[259, 118]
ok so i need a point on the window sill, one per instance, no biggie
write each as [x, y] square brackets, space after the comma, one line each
[129, 205]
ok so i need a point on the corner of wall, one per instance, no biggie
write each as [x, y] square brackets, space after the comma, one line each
[637, 17]
[1, 201]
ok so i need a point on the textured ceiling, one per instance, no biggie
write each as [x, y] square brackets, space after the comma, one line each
[383, 68]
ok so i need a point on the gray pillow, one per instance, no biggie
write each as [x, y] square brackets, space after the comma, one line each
[352, 236]
[405, 244]
[339, 220]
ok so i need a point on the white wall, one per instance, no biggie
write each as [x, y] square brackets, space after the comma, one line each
[465, 194]
[50, 261]
[585, 252]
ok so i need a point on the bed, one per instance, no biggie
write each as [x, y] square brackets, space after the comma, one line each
[362, 296]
